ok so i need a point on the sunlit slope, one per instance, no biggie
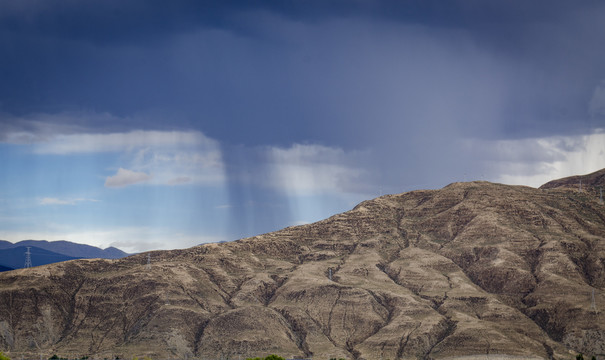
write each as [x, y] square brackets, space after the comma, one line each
[474, 268]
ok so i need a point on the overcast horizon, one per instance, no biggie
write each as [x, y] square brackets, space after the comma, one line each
[152, 125]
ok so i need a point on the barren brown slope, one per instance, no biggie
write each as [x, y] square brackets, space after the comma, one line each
[473, 268]
[591, 181]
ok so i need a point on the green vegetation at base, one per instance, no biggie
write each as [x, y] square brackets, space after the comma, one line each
[270, 357]
[581, 357]
[143, 358]
[55, 357]
[4, 357]
[275, 357]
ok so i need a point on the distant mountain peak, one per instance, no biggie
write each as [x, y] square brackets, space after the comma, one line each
[592, 180]
[47, 252]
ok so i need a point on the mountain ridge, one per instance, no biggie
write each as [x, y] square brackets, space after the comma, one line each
[14, 257]
[593, 180]
[68, 248]
[470, 269]
[43, 252]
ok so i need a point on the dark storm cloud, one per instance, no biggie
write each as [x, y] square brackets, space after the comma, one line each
[107, 21]
[139, 20]
[405, 79]
[117, 20]
[119, 56]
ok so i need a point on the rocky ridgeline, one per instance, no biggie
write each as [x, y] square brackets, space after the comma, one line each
[471, 269]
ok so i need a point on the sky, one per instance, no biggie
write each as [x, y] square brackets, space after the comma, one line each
[149, 124]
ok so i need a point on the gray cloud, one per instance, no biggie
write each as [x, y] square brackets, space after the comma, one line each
[57, 201]
[125, 177]
[412, 82]
[537, 60]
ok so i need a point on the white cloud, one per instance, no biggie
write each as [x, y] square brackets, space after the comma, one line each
[536, 161]
[179, 180]
[313, 169]
[176, 166]
[118, 142]
[301, 222]
[125, 177]
[35, 129]
[56, 201]
[161, 240]
[225, 206]
[128, 239]
[173, 157]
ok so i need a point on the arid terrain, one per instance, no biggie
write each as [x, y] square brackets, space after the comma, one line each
[470, 270]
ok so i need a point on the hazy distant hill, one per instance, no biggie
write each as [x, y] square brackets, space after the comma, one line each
[14, 258]
[69, 248]
[4, 268]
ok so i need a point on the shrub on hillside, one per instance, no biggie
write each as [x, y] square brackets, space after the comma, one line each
[274, 357]
[270, 357]
[55, 357]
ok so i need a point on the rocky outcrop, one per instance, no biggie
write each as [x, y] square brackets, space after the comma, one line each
[471, 269]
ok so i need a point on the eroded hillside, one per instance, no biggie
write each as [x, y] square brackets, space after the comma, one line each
[473, 268]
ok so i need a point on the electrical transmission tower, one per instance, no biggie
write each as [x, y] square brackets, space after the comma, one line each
[28, 258]
[593, 304]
